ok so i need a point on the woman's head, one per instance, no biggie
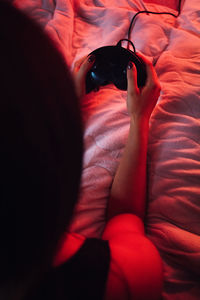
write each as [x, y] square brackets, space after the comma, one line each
[41, 146]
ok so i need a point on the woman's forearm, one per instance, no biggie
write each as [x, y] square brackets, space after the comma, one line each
[128, 192]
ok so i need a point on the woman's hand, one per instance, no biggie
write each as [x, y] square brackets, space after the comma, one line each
[141, 101]
[80, 71]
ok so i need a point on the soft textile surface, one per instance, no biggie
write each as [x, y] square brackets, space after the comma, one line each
[169, 3]
[173, 45]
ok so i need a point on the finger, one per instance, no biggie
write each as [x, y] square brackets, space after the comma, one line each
[132, 79]
[86, 66]
[152, 78]
[144, 58]
[78, 64]
[151, 73]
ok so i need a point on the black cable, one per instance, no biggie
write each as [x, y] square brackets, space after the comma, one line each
[151, 12]
[129, 41]
[179, 8]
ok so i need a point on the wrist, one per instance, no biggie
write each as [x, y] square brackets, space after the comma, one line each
[139, 129]
[141, 121]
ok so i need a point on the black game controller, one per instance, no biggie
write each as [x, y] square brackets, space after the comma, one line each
[110, 67]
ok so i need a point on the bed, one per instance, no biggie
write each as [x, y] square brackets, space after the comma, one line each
[173, 45]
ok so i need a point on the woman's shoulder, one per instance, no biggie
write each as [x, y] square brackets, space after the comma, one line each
[135, 266]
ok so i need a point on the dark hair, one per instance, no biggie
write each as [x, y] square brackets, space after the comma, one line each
[40, 146]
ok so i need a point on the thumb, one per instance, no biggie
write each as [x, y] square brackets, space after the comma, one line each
[86, 66]
[132, 79]
[80, 71]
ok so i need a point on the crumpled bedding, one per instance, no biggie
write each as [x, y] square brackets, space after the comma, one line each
[173, 45]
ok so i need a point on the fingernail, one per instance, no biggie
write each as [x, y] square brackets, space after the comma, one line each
[130, 65]
[91, 58]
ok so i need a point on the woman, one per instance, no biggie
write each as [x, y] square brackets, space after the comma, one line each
[41, 157]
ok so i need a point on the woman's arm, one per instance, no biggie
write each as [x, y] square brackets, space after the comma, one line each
[136, 267]
[128, 192]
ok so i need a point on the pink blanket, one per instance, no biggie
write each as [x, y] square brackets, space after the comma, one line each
[173, 45]
[167, 3]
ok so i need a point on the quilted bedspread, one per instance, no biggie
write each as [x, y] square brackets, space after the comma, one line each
[173, 45]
